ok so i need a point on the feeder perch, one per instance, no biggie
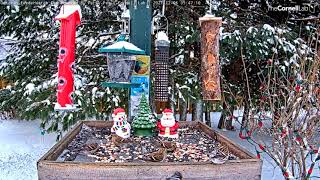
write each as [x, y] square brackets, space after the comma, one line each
[121, 59]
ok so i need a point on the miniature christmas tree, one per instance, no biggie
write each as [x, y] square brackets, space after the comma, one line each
[144, 122]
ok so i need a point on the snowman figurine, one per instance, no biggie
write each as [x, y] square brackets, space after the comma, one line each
[120, 127]
[167, 125]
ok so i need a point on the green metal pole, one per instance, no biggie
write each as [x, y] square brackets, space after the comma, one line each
[140, 33]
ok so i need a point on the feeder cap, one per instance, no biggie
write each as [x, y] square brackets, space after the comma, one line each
[67, 9]
[210, 17]
[162, 39]
[122, 46]
[162, 36]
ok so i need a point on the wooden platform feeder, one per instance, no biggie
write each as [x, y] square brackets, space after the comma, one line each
[248, 167]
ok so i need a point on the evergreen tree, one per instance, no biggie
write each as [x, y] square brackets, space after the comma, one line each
[31, 66]
[144, 118]
[249, 26]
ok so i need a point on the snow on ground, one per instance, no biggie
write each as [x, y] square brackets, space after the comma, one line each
[21, 146]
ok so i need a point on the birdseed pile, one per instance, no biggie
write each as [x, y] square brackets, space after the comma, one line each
[99, 145]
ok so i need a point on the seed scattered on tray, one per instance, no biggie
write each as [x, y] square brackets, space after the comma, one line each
[99, 145]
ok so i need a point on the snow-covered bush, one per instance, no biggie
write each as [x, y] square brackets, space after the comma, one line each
[279, 85]
[32, 62]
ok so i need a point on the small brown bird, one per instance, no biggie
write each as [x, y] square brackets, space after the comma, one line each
[117, 140]
[91, 148]
[170, 146]
[224, 150]
[157, 156]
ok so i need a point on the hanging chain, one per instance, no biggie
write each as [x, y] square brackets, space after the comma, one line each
[210, 7]
[158, 17]
[135, 4]
[148, 4]
[163, 7]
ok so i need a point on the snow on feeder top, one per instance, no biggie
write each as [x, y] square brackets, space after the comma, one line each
[162, 47]
[162, 40]
[121, 59]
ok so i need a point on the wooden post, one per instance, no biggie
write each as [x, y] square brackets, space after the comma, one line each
[210, 70]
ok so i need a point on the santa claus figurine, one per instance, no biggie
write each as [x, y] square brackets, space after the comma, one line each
[120, 127]
[167, 125]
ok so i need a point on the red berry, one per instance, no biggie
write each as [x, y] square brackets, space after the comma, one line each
[283, 133]
[291, 79]
[261, 147]
[298, 88]
[260, 124]
[263, 98]
[286, 174]
[310, 171]
[258, 155]
[262, 87]
[241, 136]
[299, 139]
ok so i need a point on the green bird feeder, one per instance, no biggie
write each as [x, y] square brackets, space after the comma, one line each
[121, 59]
